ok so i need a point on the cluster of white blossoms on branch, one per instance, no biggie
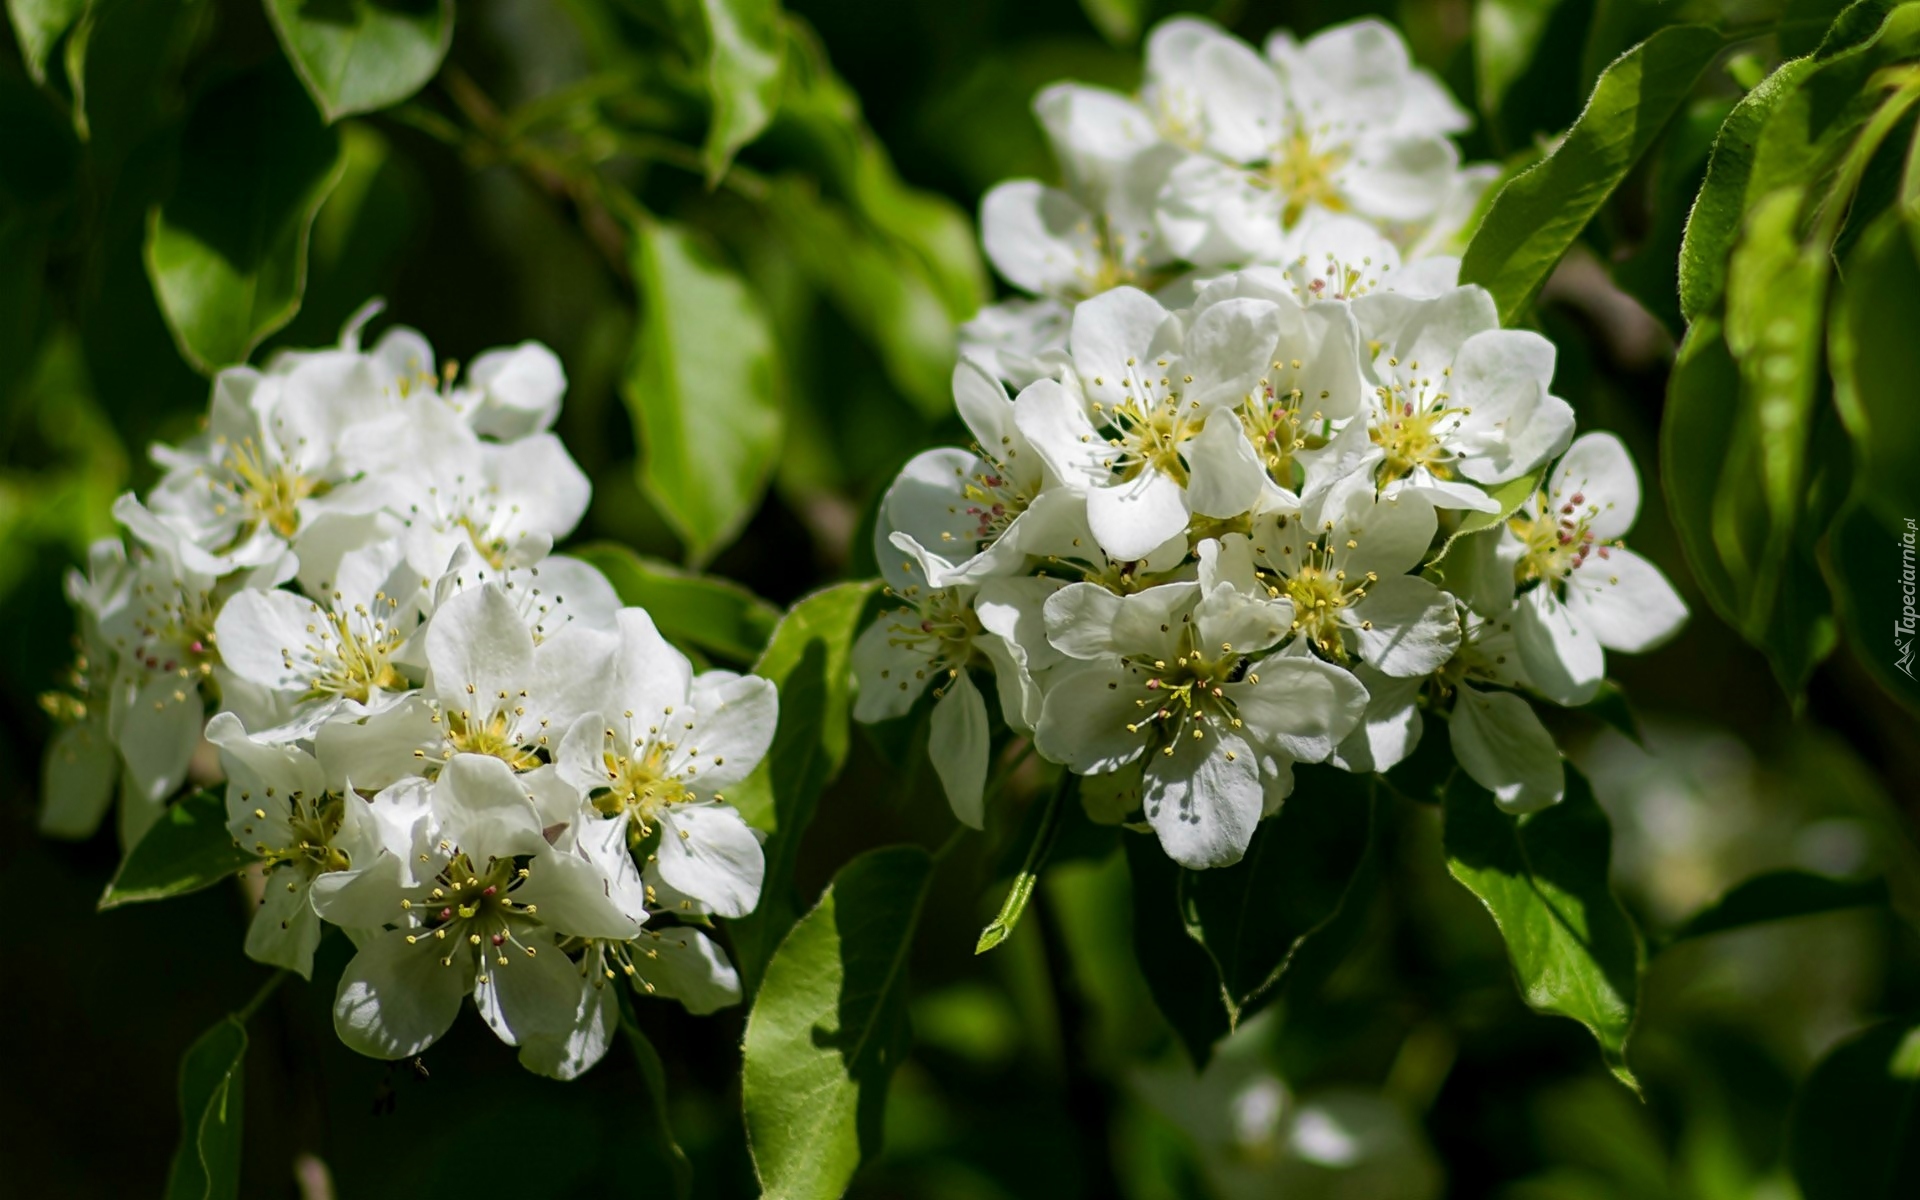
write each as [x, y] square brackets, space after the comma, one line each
[435, 733]
[1273, 489]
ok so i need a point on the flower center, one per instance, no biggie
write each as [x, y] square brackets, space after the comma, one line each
[312, 824]
[1319, 588]
[1187, 696]
[993, 499]
[469, 907]
[1304, 174]
[267, 490]
[352, 651]
[496, 735]
[1412, 424]
[1279, 430]
[1556, 541]
[1148, 424]
[642, 783]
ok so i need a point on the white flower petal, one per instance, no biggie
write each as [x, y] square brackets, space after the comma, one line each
[1204, 799]
[1500, 742]
[395, 1000]
[1414, 626]
[1561, 655]
[959, 745]
[1624, 600]
[708, 852]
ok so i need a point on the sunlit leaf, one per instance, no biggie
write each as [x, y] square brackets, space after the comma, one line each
[227, 252]
[1540, 212]
[745, 40]
[809, 661]
[1118, 21]
[186, 849]
[716, 615]
[1543, 877]
[829, 1025]
[1714, 224]
[360, 55]
[38, 25]
[704, 387]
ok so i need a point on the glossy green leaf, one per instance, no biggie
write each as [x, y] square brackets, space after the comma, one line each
[1540, 212]
[704, 387]
[356, 56]
[660, 1149]
[206, 1165]
[1714, 224]
[1856, 1122]
[1812, 129]
[1780, 896]
[713, 614]
[809, 661]
[1876, 359]
[883, 291]
[38, 25]
[227, 252]
[186, 849]
[1505, 35]
[745, 42]
[829, 1025]
[1543, 877]
[1776, 297]
[1041, 834]
[1252, 917]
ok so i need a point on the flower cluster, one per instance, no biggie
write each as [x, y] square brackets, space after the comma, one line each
[435, 734]
[1330, 157]
[1270, 515]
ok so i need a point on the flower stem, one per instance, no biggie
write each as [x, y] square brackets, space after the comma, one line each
[252, 1006]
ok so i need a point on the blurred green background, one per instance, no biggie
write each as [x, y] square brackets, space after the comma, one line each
[1042, 1070]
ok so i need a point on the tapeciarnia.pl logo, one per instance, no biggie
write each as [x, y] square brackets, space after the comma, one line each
[1903, 629]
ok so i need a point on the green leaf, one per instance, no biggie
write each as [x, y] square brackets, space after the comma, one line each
[1543, 877]
[829, 1025]
[745, 42]
[1039, 845]
[1540, 212]
[704, 386]
[206, 1165]
[188, 848]
[1714, 224]
[1876, 359]
[1505, 35]
[1609, 704]
[1180, 974]
[1510, 496]
[661, 1149]
[1855, 1133]
[1252, 917]
[713, 614]
[227, 252]
[1118, 21]
[38, 25]
[1780, 896]
[809, 661]
[356, 56]
[882, 289]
